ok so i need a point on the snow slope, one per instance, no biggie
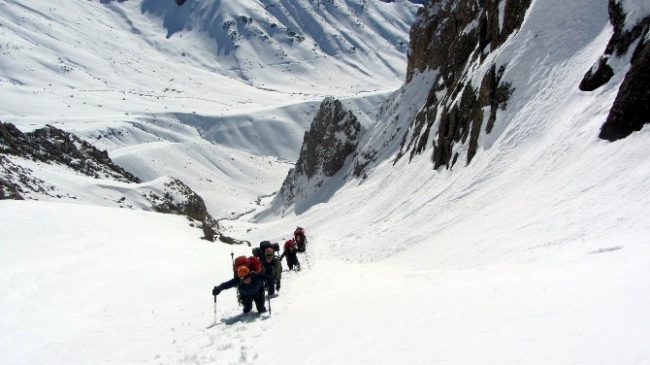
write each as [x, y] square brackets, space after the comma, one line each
[536, 253]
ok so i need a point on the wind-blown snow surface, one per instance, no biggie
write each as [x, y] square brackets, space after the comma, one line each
[537, 253]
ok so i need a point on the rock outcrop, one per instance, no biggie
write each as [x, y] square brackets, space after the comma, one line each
[333, 137]
[453, 38]
[180, 199]
[630, 110]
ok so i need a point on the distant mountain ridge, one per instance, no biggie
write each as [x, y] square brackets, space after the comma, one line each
[293, 36]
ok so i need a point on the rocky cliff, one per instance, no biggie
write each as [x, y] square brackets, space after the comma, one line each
[452, 38]
[454, 59]
[332, 138]
[630, 40]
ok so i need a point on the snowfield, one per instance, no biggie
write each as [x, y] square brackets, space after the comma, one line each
[536, 253]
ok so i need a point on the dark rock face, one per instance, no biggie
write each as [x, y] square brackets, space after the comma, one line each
[333, 136]
[597, 76]
[631, 108]
[630, 111]
[444, 39]
[441, 38]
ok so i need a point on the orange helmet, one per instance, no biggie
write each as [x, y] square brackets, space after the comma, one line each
[243, 271]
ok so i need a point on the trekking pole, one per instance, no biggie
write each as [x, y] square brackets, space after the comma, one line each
[269, 297]
[232, 257]
[215, 309]
[215, 313]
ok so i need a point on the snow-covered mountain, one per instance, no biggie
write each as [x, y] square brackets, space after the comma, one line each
[478, 216]
[260, 42]
[202, 84]
[474, 74]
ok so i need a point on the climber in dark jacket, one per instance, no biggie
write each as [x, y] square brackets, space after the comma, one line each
[271, 265]
[300, 239]
[251, 288]
[291, 253]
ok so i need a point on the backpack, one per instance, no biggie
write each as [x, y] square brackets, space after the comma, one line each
[252, 262]
[288, 244]
[301, 239]
[259, 251]
[255, 265]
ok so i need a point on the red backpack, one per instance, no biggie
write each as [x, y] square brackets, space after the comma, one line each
[288, 244]
[252, 262]
[255, 264]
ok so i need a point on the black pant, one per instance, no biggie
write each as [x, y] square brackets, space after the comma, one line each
[270, 287]
[292, 260]
[258, 299]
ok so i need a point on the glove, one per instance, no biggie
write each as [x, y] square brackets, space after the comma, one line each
[215, 291]
[277, 285]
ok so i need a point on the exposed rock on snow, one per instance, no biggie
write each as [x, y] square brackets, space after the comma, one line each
[332, 138]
